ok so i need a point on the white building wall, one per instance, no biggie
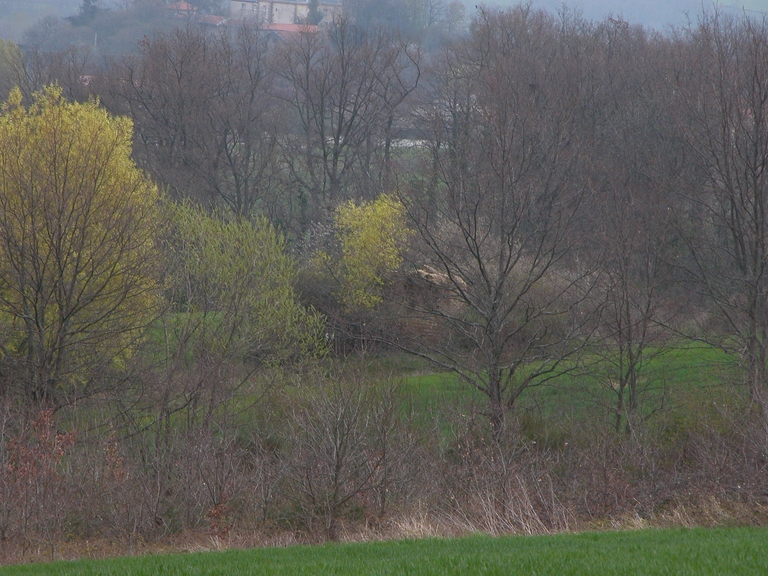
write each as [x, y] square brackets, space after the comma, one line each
[278, 11]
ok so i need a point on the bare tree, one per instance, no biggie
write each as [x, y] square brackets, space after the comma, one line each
[723, 91]
[633, 160]
[634, 293]
[345, 87]
[340, 444]
[72, 68]
[206, 124]
[493, 239]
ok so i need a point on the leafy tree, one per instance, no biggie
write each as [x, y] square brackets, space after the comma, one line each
[77, 252]
[233, 283]
[371, 236]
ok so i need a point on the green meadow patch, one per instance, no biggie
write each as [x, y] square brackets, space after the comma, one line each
[686, 369]
[698, 551]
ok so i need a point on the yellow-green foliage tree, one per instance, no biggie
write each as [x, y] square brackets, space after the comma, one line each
[78, 281]
[371, 236]
[233, 288]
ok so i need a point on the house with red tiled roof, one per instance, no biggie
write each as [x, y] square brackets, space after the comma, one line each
[211, 20]
[181, 7]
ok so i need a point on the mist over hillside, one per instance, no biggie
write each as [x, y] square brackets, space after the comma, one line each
[657, 14]
[18, 15]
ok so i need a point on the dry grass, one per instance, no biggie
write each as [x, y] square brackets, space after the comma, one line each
[487, 519]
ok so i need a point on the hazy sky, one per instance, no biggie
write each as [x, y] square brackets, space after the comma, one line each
[659, 14]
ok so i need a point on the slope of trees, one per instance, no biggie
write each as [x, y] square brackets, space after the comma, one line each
[205, 114]
[546, 211]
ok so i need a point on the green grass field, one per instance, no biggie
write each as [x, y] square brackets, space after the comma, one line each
[740, 551]
[688, 369]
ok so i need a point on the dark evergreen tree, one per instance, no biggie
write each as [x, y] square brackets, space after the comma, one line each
[88, 12]
[315, 15]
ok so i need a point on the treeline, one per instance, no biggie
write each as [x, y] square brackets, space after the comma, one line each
[190, 300]
[107, 29]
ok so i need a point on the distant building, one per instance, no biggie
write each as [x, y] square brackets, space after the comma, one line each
[281, 11]
[181, 8]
